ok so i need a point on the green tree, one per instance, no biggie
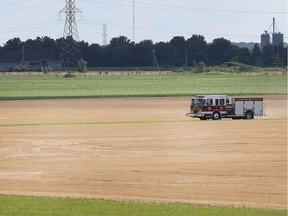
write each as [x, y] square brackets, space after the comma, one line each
[82, 66]
[94, 55]
[142, 53]
[13, 44]
[268, 56]
[256, 57]
[219, 51]
[179, 46]
[280, 55]
[165, 54]
[119, 52]
[196, 49]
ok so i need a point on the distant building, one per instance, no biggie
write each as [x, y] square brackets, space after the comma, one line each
[265, 39]
[28, 61]
[277, 39]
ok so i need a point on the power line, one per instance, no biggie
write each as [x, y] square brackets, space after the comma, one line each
[180, 8]
[26, 8]
[28, 27]
[161, 30]
[19, 2]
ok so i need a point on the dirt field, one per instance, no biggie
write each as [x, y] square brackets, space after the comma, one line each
[143, 149]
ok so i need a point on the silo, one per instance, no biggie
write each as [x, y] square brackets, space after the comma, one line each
[265, 39]
[277, 39]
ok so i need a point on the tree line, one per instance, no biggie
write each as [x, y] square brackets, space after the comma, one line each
[178, 52]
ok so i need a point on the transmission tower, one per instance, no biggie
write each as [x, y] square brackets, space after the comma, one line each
[104, 34]
[70, 28]
[70, 50]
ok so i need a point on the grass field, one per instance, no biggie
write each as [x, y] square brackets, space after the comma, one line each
[36, 87]
[19, 205]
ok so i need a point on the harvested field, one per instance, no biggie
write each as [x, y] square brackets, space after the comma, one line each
[143, 149]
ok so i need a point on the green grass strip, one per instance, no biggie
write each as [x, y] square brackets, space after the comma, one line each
[44, 206]
[21, 87]
[92, 123]
[124, 122]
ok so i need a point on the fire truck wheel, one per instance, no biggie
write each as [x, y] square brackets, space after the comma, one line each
[249, 115]
[216, 116]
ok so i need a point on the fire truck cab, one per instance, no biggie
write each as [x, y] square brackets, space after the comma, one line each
[222, 106]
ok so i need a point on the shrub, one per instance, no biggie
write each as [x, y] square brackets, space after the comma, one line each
[238, 67]
[199, 67]
[69, 74]
[46, 70]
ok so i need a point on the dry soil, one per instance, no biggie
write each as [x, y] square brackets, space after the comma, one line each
[143, 149]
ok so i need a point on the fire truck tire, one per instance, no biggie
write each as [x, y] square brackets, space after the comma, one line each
[249, 115]
[216, 116]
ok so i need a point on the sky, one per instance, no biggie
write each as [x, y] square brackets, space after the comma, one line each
[158, 20]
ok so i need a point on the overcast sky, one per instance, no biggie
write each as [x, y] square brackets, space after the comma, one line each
[158, 20]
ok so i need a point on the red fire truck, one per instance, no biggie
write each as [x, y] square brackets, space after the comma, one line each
[222, 106]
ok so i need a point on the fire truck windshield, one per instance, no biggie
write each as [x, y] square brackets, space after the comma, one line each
[198, 102]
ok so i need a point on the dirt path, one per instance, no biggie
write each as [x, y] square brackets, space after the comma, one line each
[143, 149]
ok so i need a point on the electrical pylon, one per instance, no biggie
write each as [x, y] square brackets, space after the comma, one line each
[104, 34]
[70, 29]
[70, 50]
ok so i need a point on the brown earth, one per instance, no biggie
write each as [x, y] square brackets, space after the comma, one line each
[143, 149]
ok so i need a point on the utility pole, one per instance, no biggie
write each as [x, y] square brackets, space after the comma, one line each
[186, 58]
[155, 62]
[23, 53]
[273, 25]
[133, 21]
[70, 50]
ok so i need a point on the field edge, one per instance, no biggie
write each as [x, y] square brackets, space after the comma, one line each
[69, 205]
